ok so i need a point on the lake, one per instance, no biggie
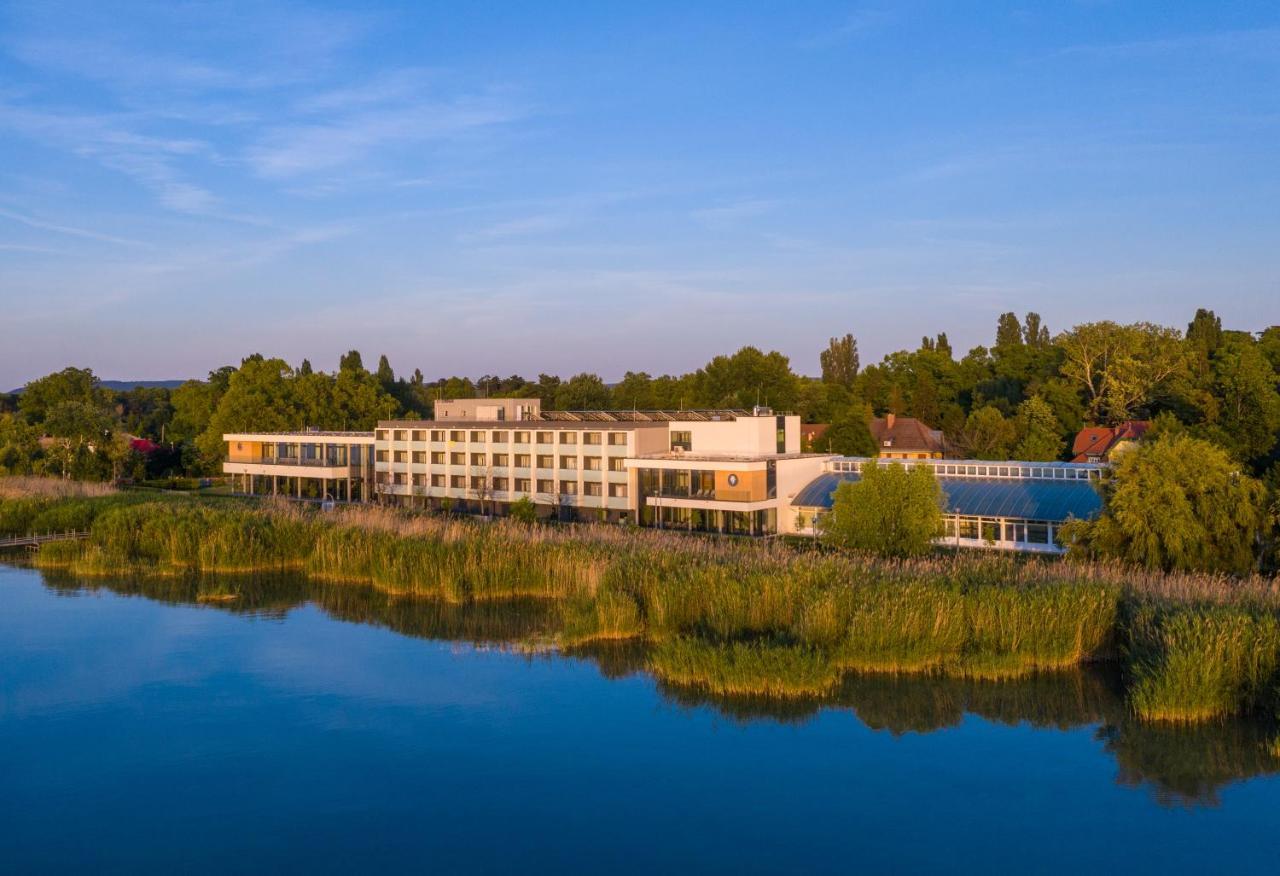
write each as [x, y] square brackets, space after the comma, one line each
[306, 727]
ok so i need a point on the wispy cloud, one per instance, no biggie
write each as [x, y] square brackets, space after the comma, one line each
[1261, 44]
[855, 24]
[297, 149]
[88, 234]
[728, 215]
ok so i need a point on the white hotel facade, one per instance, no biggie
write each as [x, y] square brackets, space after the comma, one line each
[726, 471]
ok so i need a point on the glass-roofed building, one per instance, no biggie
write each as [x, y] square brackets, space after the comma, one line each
[1003, 505]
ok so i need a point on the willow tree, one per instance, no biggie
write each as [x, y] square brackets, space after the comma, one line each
[891, 510]
[1179, 504]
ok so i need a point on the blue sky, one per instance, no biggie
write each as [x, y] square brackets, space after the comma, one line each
[500, 188]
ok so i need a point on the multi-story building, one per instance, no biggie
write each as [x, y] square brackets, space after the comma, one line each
[706, 470]
[732, 471]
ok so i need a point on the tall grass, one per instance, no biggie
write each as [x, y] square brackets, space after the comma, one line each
[1198, 647]
[745, 668]
[1197, 663]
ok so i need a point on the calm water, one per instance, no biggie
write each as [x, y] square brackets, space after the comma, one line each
[325, 729]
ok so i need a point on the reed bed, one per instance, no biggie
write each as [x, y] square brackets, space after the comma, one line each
[1190, 664]
[22, 487]
[1196, 647]
[759, 669]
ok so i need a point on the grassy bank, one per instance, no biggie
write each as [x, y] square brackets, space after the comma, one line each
[731, 616]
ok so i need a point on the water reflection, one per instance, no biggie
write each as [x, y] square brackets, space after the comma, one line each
[1178, 766]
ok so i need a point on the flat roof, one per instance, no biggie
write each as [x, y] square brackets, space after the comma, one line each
[668, 455]
[306, 433]
[516, 425]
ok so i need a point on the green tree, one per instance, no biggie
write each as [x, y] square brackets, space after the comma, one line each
[20, 452]
[747, 378]
[840, 361]
[260, 397]
[524, 511]
[68, 385]
[1121, 369]
[849, 434]
[385, 375]
[1039, 432]
[1176, 503]
[1247, 405]
[891, 510]
[988, 435]
[582, 392]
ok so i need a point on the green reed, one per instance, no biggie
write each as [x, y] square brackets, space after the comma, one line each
[1196, 647]
[1193, 663]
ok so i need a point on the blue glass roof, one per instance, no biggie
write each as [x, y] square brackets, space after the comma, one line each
[1025, 499]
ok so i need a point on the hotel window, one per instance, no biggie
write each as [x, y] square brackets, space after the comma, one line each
[591, 437]
[617, 463]
[968, 527]
[500, 484]
[419, 480]
[568, 438]
[477, 483]
[419, 435]
[400, 434]
[782, 434]
[500, 437]
[618, 439]
[458, 482]
[570, 462]
[522, 460]
[437, 434]
[437, 480]
[524, 485]
[456, 435]
[568, 488]
[682, 440]
[420, 457]
[618, 491]
[457, 458]
[501, 459]
[591, 463]
[545, 486]
[522, 437]
[437, 457]
[477, 437]
[399, 478]
[477, 459]
[382, 456]
[545, 437]
[592, 490]
[402, 456]
[546, 461]
[382, 434]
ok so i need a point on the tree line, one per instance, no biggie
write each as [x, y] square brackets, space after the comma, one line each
[1023, 397]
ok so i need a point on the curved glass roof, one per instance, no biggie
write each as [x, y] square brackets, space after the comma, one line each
[1024, 499]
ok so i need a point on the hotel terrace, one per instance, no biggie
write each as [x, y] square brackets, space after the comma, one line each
[730, 471]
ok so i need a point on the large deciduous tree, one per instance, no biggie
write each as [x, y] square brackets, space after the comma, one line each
[840, 361]
[1176, 503]
[1039, 432]
[891, 510]
[1120, 369]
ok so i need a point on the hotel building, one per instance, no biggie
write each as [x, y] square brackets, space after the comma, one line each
[727, 471]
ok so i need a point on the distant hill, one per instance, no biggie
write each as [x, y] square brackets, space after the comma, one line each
[121, 385]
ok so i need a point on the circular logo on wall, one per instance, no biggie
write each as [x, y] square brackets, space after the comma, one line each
[733, 480]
